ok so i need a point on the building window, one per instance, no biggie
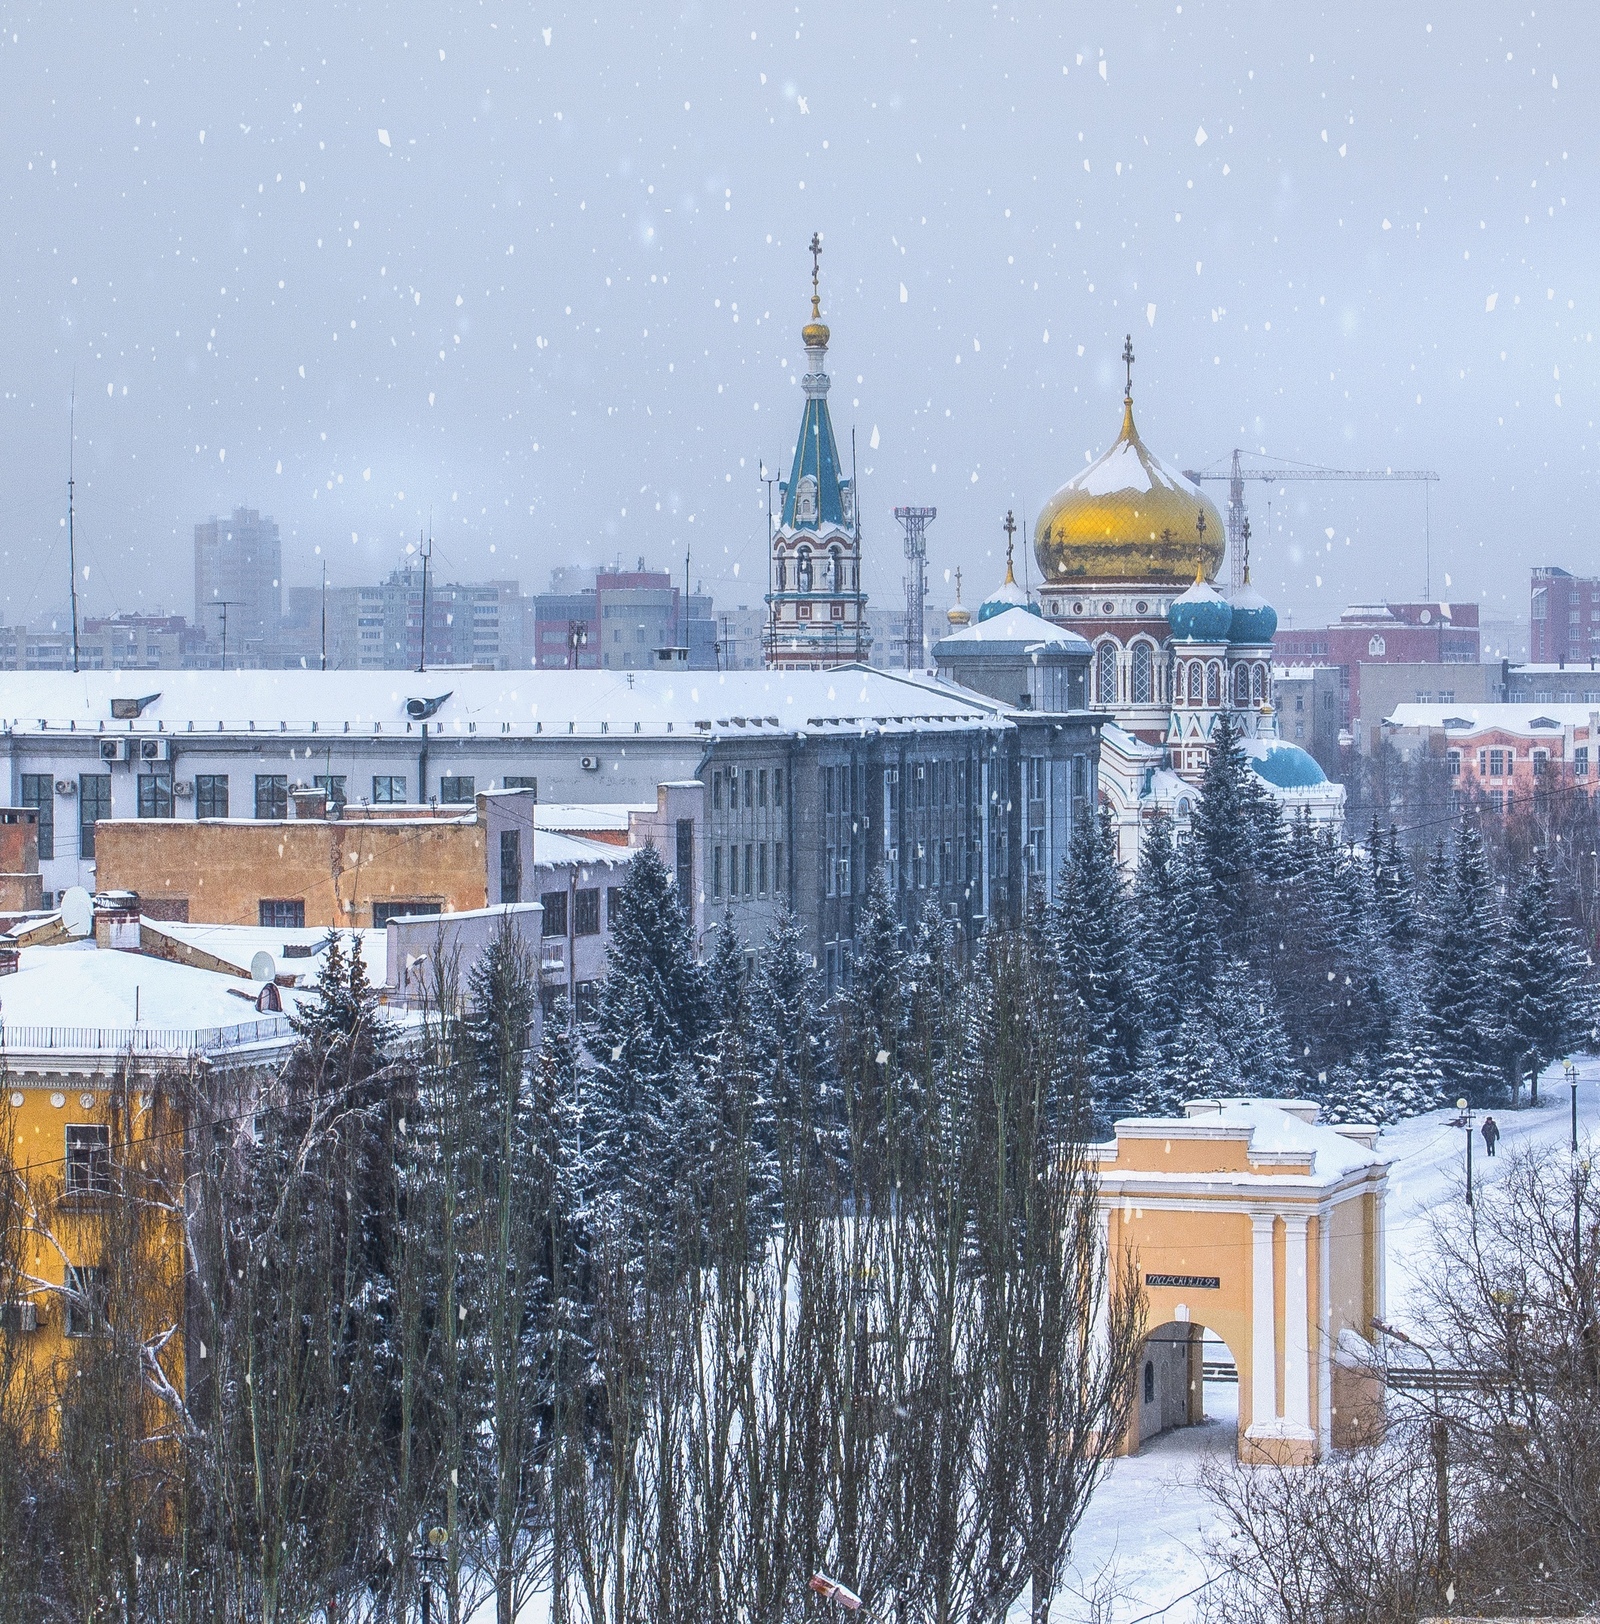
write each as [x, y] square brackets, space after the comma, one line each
[830, 870]
[685, 864]
[457, 791]
[1105, 678]
[1455, 763]
[1497, 763]
[211, 795]
[716, 871]
[272, 795]
[1241, 685]
[1080, 778]
[1195, 681]
[1541, 763]
[716, 790]
[387, 790]
[613, 905]
[1143, 674]
[510, 866]
[749, 788]
[586, 912]
[1213, 684]
[891, 791]
[761, 787]
[749, 870]
[555, 913]
[777, 786]
[1376, 647]
[331, 785]
[94, 803]
[585, 995]
[86, 1302]
[281, 914]
[39, 792]
[519, 781]
[1580, 761]
[88, 1158]
[761, 869]
[155, 795]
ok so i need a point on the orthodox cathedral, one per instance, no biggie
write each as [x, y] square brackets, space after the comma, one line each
[1129, 549]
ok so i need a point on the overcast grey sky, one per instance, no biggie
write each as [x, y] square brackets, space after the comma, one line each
[540, 270]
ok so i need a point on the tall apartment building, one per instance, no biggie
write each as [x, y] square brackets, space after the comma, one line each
[1563, 617]
[238, 585]
[108, 643]
[379, 627]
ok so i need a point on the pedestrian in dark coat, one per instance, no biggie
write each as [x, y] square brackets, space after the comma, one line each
[1491, 1134]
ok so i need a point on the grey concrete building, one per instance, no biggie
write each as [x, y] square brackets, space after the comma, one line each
[238, 585]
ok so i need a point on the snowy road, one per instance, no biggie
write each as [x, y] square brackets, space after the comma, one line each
[1143, 1538]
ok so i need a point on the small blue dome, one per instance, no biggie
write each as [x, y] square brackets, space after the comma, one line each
[1287, 766]
[1007, 596]
[1254, 619]
[1201, 615]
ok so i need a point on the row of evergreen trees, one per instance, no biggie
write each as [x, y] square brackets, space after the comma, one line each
[1260, 956]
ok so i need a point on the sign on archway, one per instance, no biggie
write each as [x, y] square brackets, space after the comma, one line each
[1252, 1219]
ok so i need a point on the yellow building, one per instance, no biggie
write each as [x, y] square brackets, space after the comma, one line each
[104, 1058]
[1252, 1220]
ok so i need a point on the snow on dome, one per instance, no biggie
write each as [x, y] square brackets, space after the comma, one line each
[1284, 766]
[1255, 621]
[1200, 615]
[1016, 624]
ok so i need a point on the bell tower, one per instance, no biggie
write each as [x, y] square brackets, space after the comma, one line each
[816, 610]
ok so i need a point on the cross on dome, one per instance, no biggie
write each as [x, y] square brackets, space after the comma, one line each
[1127, 361]
[816, 268]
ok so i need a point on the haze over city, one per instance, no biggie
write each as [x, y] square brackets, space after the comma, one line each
[538, 277]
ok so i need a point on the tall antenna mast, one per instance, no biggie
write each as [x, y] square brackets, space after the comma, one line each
[427, 553]
[225, 604]
[72, 549]
[324, 614]
[916, 521]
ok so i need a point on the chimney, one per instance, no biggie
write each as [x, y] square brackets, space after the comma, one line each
[309, 803]
[116, 920]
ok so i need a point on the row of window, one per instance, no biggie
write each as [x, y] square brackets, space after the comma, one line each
[732, 788]
[289, 913]
[745, 871]
[585, 910]
[1198, 681]
[1503, 763]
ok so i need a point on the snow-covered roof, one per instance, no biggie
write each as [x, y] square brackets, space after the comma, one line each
[1283, 765]
[238, 945]
[551, 848]
[1526, 717]
[1278, 1133]
[1130, 465]
[573, 816]
[459, 703]
[80, 984]
[1015, 625]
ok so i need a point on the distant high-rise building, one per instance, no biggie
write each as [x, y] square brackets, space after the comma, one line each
[1563, 617]
[238, 576]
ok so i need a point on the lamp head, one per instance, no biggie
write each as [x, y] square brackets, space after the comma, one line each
[1461, 1105]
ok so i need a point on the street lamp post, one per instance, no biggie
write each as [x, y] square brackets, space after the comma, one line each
[1466, 1122]
[1572, 1083]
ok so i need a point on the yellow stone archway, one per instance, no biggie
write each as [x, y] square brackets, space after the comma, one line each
[1252, 1219]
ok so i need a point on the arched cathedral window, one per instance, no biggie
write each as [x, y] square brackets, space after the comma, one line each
[1143, 675]
[1213, 684]
[805, 501]
[1195, 680]
[802, 570]
[835, 570]
[1258, 683]
[1241, 685]
[1105, 674]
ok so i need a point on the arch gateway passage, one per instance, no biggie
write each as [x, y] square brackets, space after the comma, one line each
[1253, 1220]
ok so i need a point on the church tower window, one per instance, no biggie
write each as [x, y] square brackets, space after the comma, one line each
[835, 570]
[1105, 674]
[1143, 681]
[1241, 685]
[1213, 684]
[1195, 680]
[1258, 683]
[802, 570]
[805, 501]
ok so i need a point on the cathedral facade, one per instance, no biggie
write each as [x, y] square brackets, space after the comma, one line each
[1129, 549]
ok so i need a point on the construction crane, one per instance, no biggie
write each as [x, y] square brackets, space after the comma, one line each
[1236, 524]
[916, 521]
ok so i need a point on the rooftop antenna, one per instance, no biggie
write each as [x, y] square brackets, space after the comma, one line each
[855, 514]
[1427, 542]
[225, 604]
[324, 614]
[72, 550]
[427, 553]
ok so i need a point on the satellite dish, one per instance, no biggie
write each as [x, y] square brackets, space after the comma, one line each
[263, 967]
[77, 911]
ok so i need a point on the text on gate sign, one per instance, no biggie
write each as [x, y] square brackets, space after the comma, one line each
[1196, 1282]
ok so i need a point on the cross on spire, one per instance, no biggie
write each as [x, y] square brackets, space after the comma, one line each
[1127, 361]
[1010, 528]
[816, 267]
[1245, 548]
[1200, 525]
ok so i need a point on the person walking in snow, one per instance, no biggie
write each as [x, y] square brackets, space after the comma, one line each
[1491, 1134]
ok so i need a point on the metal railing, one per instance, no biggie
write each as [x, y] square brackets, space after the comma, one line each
[21, 1039]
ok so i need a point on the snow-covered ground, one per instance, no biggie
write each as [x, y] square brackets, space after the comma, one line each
[1142, 1540]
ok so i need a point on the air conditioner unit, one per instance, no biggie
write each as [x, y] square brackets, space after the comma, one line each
[183, 789]
[19, 1317]
[155, 749]
[590, 764]
[113, 749]
[66, 786]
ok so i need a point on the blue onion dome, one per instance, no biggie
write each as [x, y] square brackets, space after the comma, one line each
[1007, 596]
[1254, 619]
[1201, 615]
[1285, 766]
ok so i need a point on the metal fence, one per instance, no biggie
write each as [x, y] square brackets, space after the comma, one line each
[18, 1039]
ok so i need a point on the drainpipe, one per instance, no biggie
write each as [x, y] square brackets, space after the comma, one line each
[422, 765]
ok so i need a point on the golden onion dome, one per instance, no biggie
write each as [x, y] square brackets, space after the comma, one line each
[815, 335]
[1128, 517]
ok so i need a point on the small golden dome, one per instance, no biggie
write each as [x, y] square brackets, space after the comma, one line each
[1128, 517]
[814, 335]
[958, 614]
